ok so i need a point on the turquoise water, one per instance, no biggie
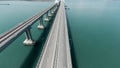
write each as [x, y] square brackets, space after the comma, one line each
[17, 55]
[94, 26]
[18, 11]
[95, 30]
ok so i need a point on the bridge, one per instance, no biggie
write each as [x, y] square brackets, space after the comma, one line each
[56, 53]
[15, 32]
[56, 50]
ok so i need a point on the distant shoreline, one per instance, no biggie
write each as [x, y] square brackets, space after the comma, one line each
[4, 4]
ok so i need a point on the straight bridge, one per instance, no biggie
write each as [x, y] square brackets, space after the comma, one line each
[56, 50]
[15, 32]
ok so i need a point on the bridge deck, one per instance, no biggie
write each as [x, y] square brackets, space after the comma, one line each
[56, 52]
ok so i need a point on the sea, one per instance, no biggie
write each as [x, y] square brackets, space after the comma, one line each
[94, 32]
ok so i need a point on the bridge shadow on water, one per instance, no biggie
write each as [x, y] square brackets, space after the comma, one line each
[32, 59]
[73, 54]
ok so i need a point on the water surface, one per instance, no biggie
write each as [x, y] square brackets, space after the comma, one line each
[95, 29]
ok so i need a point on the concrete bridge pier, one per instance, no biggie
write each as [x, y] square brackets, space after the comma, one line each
[53, 10]
[41, 25]
[50, 13]
[47, 17]
[28, 40]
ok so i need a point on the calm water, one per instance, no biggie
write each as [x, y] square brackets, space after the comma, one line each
[95, 29]
[17, 55]
[18, 11]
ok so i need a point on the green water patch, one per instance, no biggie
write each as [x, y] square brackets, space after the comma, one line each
[95, 33]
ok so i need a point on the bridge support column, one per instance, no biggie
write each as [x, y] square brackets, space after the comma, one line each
[47, 17]
[50, 13]
[53, 10]
[28, 40]
[41, 25]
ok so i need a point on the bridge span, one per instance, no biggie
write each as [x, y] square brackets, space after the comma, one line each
[11, 35]
[56, 52]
